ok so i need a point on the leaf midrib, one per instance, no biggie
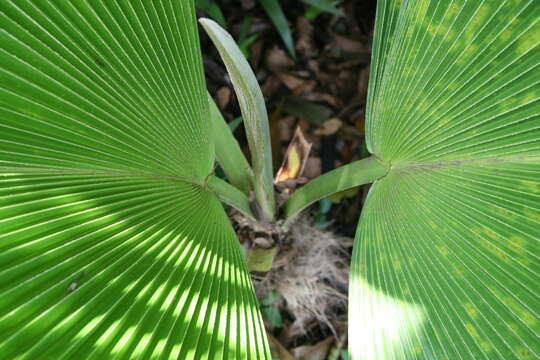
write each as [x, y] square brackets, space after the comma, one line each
[458, 163]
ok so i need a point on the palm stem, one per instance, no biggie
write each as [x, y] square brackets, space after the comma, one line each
[345, 177]
[230, 195]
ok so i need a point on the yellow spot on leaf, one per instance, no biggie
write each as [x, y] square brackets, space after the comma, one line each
[486, 346]
[506, 35]
[521, 312]
[524, 353]
[453, 86]
[444, 122]
[451, 35]
[492, 234]
[479, 19]
[406, 292]
[529, 319]
[495, 290]
[528, 98]
[505, 213]
[452, 10]
[471, 51]
[458, 271]
[472, 330]
[432, 29]
[508, 104]
[514, 327]
[477, 231]
[533, 215]
[442, 30]
[471, 310]
[422, 9]
[531, 186]
[529, 40]
[444, 250]
[501, 254]
[517, 244]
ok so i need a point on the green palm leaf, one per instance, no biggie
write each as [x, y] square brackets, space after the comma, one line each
[446, 263]
[111, 246]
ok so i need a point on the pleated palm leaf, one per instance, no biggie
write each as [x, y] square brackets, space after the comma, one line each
[446, 258]
[110, 244]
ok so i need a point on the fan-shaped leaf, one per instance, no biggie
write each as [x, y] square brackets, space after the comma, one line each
[446, 263]
[110, 246]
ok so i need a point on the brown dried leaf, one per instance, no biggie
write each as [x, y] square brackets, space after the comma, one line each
[291, 81]
[278, 350]
[304, 41]
[295, 158]
[350, 64]
[313, 65]
[248, 4]
[313, 167]
[360, 123]
[330, 99]
[307, 87]
[330, 127]
[277, 60]
[346, 80]
[224, 97]
[318, 351]
[286, 125]
[271, 86]
[351, 132]
[256, 51]
[347, 44]
[363, 79]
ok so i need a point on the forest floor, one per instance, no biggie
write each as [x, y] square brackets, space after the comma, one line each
[322, 90]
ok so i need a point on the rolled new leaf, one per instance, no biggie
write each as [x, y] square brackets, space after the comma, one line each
[254, 112]
[228, 153]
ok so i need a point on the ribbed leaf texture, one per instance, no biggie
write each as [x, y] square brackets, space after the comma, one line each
[446, 264]
[110, 244]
